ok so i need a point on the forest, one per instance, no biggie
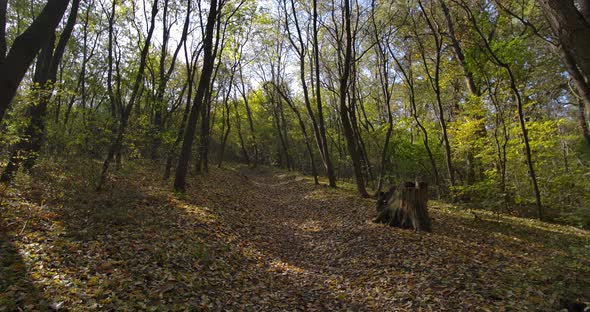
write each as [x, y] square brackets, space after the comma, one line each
[228, 155]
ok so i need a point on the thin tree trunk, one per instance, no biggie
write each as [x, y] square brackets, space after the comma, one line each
[249, 117]
[458, 51]
[384, 79]
[353, 148]
[322, 128]
[204, 81]
[435, 84]
[303, 131]
[115, 148]
[521, 119]
[226, 120]
[240, 135]
[165, 74]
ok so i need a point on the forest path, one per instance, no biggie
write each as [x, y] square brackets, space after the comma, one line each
[322, 246]
[266, 240]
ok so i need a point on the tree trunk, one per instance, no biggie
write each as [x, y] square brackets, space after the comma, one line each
[321, 124]
[252, 140]
[303, 131]
[3, 8]
[45, 77]
[583, 117]
[435, 84]
[208, 62]
[581, 85]
[240, 135]
[406, 207]
[383, 70]
[24, 49]
[353, 146]
[115, 148]
[458, 51]
[226, 118]
[572, 30]
[165, 75]
[519, 108]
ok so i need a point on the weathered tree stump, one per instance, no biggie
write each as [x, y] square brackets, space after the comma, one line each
[405, 207]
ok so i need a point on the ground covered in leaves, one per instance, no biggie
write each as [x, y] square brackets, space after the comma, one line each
[262, 240]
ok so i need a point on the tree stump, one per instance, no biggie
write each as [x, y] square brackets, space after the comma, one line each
[405, 207]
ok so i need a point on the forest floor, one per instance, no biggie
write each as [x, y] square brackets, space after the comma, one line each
[264, 240]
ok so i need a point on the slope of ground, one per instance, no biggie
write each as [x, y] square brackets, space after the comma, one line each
[255, 240]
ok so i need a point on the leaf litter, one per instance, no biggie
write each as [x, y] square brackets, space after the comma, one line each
[264, 240]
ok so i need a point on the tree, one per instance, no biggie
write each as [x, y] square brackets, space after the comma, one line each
[118, 141]
[519, 106]
[345, 111]
[44, 79]
[25, 47]
[203, 86]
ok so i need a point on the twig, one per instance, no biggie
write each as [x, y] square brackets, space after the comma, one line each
[475, 215]
[24, 226]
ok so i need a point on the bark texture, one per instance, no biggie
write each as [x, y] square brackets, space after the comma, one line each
[405, 207]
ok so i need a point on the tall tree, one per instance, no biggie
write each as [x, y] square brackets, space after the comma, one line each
[434, 79]
[25, 47]
[519, 106]
[318, 98]
[354, 149]
[135, 90]
[44, 79]
[203, 86]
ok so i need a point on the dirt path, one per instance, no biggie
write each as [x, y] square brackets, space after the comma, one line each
[258, 240]
[323, 252]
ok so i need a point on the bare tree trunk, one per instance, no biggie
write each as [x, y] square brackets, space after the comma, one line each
[572, 29]
[207, 120]
[45, 77]
[303, 131]
[409, 79]
[583, 117]
[226, 116]
[190, 71]
[321, 123]
[115, 149]
[582, 87]
[468, 77]
[424, 135]
[353, 146]
[458, 51]
[24, 49]
[281, 113]
[204, 81]
[435, 84]
[165, 74]
[385, 89]
[3, 8]
[279, 124]
[520, 104]
[240, 135]
[501, 150]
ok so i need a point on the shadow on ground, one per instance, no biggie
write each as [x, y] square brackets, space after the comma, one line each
[246, 240]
